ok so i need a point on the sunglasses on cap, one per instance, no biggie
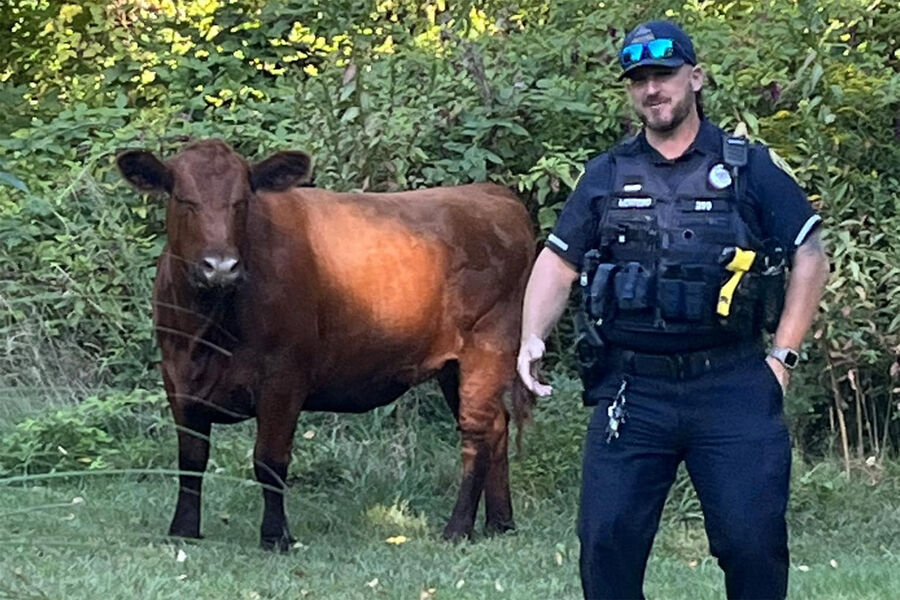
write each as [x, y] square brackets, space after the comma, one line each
[655, 49]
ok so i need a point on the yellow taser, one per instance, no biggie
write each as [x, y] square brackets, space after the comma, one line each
[740, 263]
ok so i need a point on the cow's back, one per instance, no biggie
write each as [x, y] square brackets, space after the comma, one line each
[390, 284]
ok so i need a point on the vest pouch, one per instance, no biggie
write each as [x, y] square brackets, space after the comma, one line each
[683, 295]
[695, 305]
[632, 287]
[599, 294]
[670, 294]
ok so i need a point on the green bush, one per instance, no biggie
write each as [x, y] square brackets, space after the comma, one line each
[112, 431]
[401, 94]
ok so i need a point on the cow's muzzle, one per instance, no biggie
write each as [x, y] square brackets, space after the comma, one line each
[219, 271]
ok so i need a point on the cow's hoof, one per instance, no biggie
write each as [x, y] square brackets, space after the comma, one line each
[184, 534]
[281, 543]
[457, 534]
[499, 527]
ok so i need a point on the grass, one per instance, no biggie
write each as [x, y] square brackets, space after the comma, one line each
[359, 480]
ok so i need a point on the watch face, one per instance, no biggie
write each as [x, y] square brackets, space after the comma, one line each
[791, 359]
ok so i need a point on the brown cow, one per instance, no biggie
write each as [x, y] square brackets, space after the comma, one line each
[271, 299]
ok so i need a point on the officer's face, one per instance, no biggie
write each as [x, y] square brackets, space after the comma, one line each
[664, 97]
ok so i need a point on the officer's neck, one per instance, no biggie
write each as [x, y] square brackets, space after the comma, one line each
[673, 143]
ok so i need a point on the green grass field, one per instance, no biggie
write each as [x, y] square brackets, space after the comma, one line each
[359, 480]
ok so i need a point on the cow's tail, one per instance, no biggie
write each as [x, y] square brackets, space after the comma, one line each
[522, 401]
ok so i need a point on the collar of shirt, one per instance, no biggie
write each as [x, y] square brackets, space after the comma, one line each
[708, 141]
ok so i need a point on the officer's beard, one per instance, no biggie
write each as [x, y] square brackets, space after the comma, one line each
[680, 112]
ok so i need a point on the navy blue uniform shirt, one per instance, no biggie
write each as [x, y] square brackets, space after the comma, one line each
[782, 209]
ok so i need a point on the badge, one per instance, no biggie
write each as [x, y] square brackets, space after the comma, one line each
[719, 177]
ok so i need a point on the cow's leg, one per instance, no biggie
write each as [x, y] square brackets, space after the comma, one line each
[276, 420]
[498, 516]
[193, 455]
[484, 375]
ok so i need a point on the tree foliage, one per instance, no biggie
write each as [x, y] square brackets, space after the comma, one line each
[396, 94]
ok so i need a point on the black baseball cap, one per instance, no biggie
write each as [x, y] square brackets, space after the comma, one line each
[646, 45]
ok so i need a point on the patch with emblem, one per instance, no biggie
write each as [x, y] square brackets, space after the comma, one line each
[719, 177]
[781, 164]
[634, 203]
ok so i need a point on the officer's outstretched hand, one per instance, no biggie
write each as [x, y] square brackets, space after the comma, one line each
[529, 364]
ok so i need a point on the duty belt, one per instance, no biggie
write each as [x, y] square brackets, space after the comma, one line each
[680, 366]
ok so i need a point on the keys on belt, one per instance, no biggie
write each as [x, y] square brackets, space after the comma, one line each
[616, 413]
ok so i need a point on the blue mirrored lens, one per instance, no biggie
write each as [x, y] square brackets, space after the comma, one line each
[631, 54]
[662, 48]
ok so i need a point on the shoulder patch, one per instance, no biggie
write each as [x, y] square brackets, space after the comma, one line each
[579, 178]
[781, 164]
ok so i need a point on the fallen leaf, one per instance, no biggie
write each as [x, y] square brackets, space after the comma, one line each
[309, 435]
[427, 594]
[181, 577]
[693, 564]
[181, 556]
[803, 568]
[833, 563]
[559, 558]
[77, 500]
[372, 583]
[397, 540]
[870, 462]
[460, 583]
[498, 586]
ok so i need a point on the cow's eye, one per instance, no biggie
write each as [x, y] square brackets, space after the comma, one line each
[186, 201]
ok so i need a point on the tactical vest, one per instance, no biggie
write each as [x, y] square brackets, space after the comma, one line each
[666, 257]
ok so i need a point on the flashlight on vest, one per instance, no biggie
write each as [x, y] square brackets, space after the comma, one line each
[739, 262]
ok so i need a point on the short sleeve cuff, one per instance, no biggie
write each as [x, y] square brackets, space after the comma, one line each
[806, 229]
[562, 249]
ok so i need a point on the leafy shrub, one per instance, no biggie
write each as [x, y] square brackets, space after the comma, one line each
[404, 94]
[115, 430]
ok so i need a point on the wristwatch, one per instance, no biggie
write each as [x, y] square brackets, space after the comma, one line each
[786, 356]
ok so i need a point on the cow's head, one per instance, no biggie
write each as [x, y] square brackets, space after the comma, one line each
[210, 187]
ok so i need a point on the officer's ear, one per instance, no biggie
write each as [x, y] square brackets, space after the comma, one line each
[697, 76]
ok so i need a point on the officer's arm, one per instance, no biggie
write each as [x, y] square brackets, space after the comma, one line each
[808, 275]
[545, 300]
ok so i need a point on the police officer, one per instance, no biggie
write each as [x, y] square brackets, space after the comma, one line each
[680, 236]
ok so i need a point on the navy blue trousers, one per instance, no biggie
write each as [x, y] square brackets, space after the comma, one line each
[729, 430]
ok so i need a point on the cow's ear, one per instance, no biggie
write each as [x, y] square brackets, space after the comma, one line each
[280, 171]
[144, 171]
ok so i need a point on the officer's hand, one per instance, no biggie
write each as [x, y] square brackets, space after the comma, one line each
[529, 363]
[782, 373]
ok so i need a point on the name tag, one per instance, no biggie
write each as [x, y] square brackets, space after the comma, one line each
[635, 203]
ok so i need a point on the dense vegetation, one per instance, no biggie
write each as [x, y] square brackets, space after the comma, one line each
[401, 94]
[396, 94]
